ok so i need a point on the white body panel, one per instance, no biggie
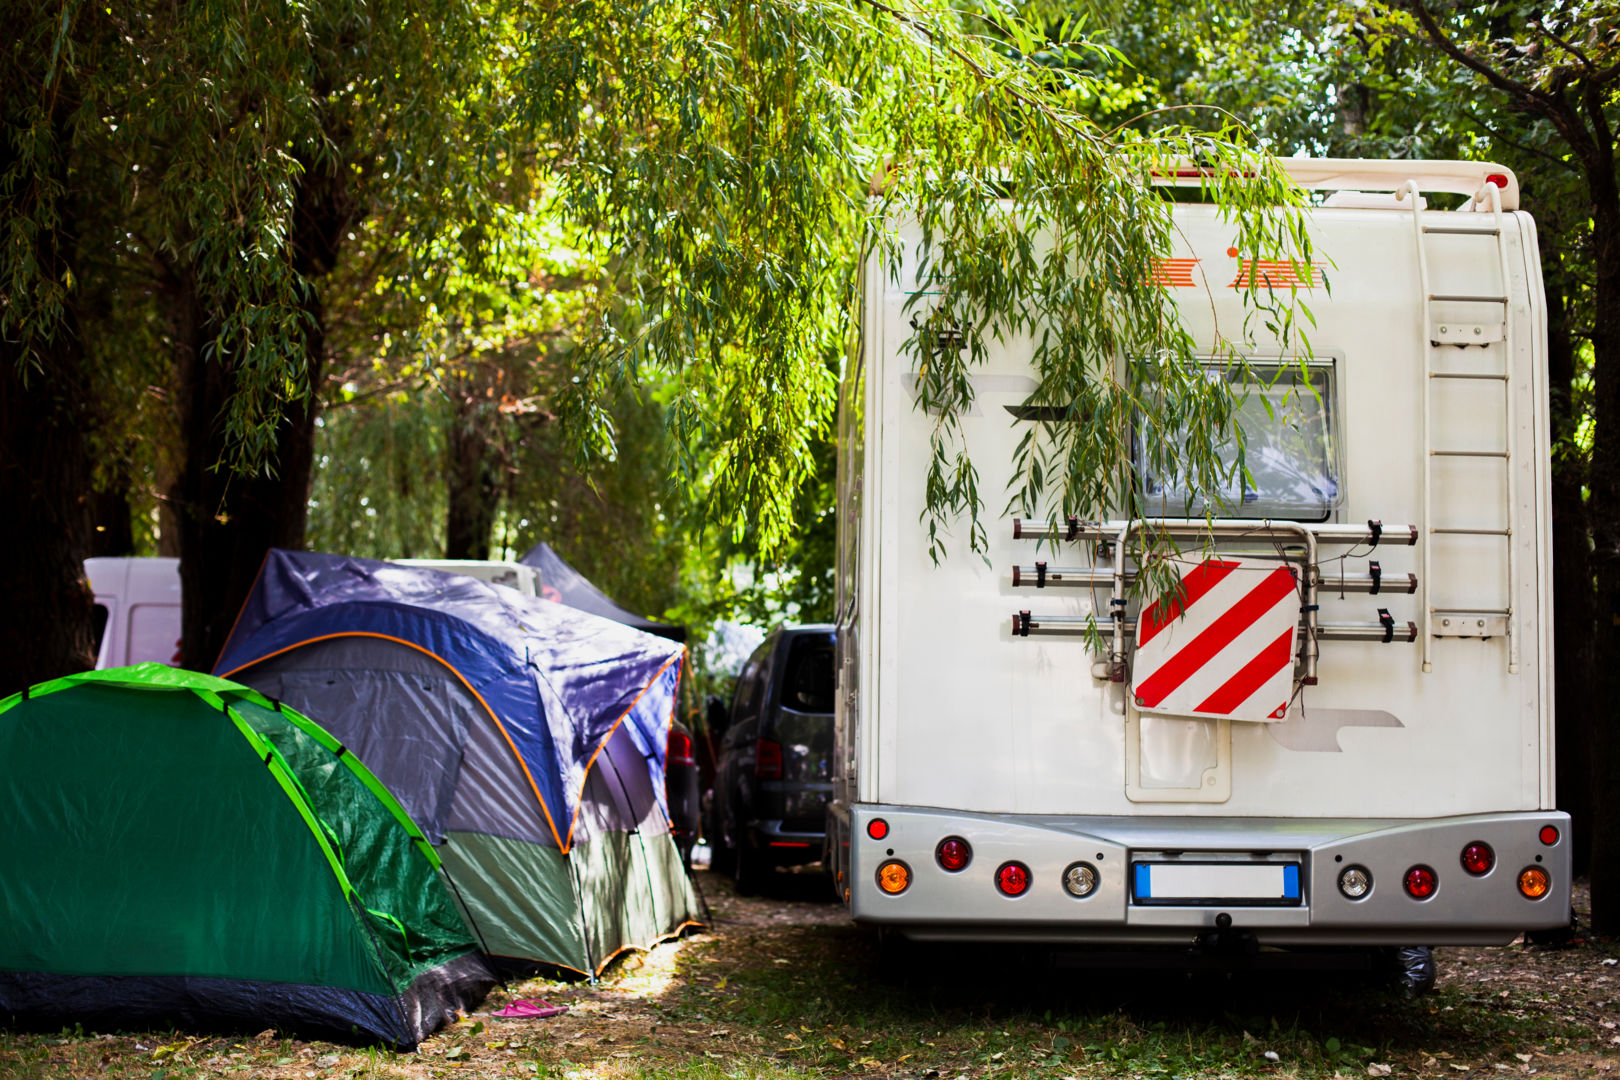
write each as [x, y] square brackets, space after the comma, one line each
[944, 707]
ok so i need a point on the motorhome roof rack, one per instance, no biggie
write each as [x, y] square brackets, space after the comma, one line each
[1363, 174]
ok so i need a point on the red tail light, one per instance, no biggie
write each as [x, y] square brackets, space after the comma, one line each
[680, 749]
[1478, 858]
[768, 760]
[1549, 835]
[1420, 882]
[1013, 879]
[953, 854]
[1498, 179]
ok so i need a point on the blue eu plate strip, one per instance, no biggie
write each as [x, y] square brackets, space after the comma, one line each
[1291, 881]
[1144, 889]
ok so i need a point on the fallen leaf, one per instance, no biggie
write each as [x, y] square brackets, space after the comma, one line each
[839, 1043]
[1523, 1057]
[326, 1061]
[1460, 1068]
[1376, 1069]
[1271, 1055]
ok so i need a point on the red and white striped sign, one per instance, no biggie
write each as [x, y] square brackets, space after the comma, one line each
[1224, 648]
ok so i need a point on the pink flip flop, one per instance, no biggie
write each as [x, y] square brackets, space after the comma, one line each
[524, 1009]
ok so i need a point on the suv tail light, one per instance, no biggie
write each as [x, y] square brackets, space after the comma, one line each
[768, 760]
[680, 749]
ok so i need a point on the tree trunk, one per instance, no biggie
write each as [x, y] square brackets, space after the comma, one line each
[472, 477]
[1604, 509]
[45, 628]
[228, 522]
[1572, 578]
[112, 527]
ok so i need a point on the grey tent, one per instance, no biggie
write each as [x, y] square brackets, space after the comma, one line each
[527, 740]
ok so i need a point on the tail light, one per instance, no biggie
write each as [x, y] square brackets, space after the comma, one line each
[768, 760]
[1549, 835]
[877, 828]
[1534, 882]
[1478, 858]
[680, 749]
[1498, 179]
[953, 854]
[894, 877]
[1421, 882]
[1013, 879]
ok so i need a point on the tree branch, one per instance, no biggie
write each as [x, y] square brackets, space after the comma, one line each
[1556, 108]
[1541, 28]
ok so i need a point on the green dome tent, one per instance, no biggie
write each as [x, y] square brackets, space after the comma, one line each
[179, 849]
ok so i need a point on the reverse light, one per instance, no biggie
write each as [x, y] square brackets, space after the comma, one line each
[768, 760]
[1421, 882]
[1013, 879]
[1080, 880]
[1355, 882]
[877, 828]
[1549, 835]
[953, 854]
[1478, 858]
[894, 877]
[679, 751]
[1534, 882]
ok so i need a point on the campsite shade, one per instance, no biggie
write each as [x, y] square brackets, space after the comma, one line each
[526, 738]
[561, 582]
[178, 849]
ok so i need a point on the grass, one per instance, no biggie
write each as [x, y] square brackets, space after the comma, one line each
[805, 996]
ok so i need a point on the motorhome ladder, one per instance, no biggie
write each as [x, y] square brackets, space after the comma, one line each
[1436, 335]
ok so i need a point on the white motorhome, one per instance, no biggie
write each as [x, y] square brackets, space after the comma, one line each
[1376, 769]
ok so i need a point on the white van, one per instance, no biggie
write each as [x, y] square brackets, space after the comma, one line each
[137, 609]
[1375, 770]
[138, 601]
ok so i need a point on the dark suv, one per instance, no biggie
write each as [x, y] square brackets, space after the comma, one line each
[774, 775]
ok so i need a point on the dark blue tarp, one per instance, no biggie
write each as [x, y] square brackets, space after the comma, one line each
[557, 680]
[562, 583]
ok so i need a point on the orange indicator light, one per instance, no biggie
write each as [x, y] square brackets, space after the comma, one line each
[1534, 882]
[893, 877]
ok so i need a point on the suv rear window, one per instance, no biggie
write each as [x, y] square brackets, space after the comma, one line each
[807, 685]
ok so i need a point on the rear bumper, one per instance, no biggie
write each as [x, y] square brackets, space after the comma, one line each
[1464, 909]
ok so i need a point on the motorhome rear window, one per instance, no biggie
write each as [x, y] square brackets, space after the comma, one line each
[1288, 413]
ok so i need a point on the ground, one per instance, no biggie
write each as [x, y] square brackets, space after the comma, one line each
[785, 987]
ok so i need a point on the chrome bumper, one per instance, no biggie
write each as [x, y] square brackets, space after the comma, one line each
[1464, 909]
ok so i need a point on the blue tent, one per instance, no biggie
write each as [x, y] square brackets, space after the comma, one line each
[526, 738]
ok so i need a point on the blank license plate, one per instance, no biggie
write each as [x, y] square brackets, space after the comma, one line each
[1215, 883]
